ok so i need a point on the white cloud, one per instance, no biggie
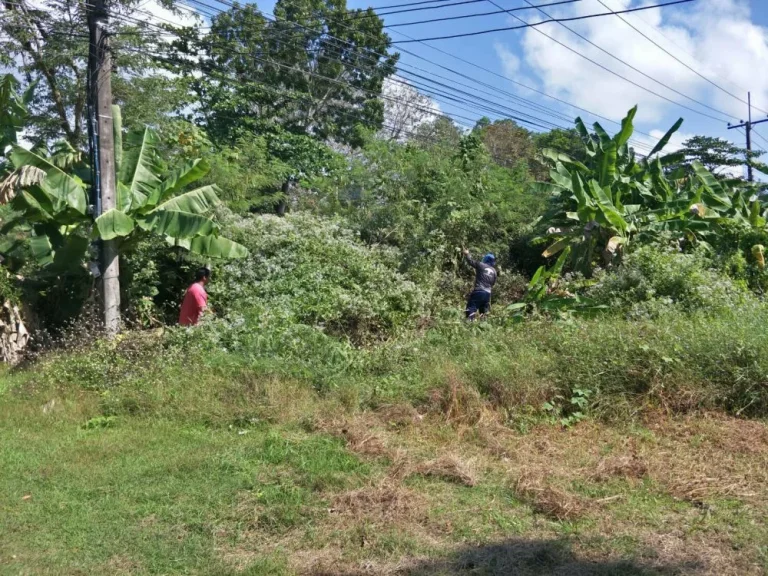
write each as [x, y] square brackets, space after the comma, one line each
[729, 49]
[509, 61]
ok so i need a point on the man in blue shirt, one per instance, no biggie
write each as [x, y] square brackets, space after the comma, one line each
[485, 277]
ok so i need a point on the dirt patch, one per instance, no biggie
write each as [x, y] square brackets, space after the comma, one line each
[548, 500]
[450, 468]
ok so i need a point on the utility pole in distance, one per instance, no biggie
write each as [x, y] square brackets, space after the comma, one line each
[100, 75]
[748, 125]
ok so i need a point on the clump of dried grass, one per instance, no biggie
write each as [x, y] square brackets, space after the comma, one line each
[359, 434]
[399, 415]
[458, 403]
[627, 466]
[387, 500]
[547, 500]
[450, 468]
[364, 442]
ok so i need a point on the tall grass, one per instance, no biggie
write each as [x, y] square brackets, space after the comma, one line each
[620, 367]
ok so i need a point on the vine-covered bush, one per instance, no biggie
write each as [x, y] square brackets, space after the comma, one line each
[653, 280]
[315, 271]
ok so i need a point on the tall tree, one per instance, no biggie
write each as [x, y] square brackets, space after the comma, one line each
[507, 142]
[45, 42]
[316, 70]
[441, 132]
[315, 73]
[717, 155]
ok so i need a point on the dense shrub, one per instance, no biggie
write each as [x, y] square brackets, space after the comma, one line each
[653, 280]
[316, 272]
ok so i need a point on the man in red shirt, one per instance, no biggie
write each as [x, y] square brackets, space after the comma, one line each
[195, 299]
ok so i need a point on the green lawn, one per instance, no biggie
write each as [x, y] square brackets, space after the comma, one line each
[306, 486]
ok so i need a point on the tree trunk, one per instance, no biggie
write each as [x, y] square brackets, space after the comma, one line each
[282, 204]
[13, 334]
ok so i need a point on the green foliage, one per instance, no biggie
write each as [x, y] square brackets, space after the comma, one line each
[149, 199]
[258, 172]
[613, 199]
[45, 44]
[314, 271]
[429, 201]
[656, 279]
[249, 80]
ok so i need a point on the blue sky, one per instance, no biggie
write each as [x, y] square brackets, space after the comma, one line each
[725, 40]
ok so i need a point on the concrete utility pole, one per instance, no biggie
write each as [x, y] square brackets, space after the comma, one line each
[748, 125]
[100, 75]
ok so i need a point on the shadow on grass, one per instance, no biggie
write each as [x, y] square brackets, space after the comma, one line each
[528, 558]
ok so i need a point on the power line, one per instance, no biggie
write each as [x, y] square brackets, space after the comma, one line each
[407, 4]
[510, 113]
[660, 47]
[536, 24]
[475, 65]
[756, 133]
[683, 50]
[370, 14]
[613, 72]
[483, 106]
[473, 15]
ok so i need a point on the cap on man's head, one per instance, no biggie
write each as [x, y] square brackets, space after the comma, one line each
[489, 259]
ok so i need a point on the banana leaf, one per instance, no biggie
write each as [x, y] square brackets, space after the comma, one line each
[65, 190]
[178, 179]
[114, 224]
[42, 250]
[197, 201]
[665, 139]
[605, 139]
[623, 136]
[217, 247]
[556, 248]
[607, 208]
[177, 224]
[140, 166]
[712, 186]
[607, 166]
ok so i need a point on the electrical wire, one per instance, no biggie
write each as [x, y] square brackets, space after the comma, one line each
[610, 54]
[518, 98]
[594, 114]
[523, 118]
[357, 15]
[473, 15]
[542, 22]
[613, 72]
[483, 105]
[667, 52]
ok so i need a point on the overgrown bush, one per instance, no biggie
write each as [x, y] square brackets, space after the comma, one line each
[315, 271]
[654, 280]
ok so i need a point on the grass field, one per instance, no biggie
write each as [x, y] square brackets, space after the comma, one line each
[261, 475]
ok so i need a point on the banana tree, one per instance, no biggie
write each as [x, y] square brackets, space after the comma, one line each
[149, 200]
[606, 201]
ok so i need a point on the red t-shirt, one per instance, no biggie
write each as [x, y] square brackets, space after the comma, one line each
[195, 301]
